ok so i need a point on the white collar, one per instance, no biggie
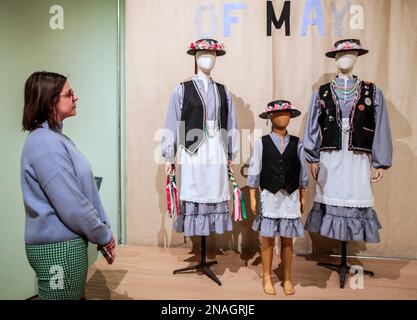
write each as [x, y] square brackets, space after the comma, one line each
[204, 80]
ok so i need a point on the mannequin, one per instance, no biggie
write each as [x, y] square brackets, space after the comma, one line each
[355, 135]
[283, 197]
[345, 62]
[205, 62]
[200, 111]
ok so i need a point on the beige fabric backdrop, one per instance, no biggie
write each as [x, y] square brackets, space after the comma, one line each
[258, 69]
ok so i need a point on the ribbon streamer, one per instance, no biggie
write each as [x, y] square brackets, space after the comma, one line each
[239, 210]
[172, 196]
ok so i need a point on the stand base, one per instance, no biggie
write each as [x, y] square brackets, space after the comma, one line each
[203, 268]
[343, 270]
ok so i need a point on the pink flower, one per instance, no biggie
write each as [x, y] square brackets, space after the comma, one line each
[206, 45]
[347, 45]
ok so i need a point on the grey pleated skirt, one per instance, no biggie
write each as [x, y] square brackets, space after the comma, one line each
[284, 227]
[201, 219]
[344, 223]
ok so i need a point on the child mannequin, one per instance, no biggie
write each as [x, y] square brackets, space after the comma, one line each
[278, 167]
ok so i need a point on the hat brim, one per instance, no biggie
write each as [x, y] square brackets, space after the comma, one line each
[219, 53]
[332, 54]
[294, 113]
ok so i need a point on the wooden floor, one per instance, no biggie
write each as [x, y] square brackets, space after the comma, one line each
[146, 273]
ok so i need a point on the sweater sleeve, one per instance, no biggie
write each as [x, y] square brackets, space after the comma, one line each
[55, 174]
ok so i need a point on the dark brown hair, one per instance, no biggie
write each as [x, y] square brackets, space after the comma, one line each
[42, 90]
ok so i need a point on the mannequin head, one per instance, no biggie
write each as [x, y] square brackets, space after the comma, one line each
[279, 112]
[280, 120]
[205, 60]
[346, 60]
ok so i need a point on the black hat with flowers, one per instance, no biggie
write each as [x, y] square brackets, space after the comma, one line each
[279, 106]
[206, 45]
[346, 45]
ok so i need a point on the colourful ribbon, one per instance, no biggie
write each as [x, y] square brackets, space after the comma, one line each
[172, 196]
[239, 210]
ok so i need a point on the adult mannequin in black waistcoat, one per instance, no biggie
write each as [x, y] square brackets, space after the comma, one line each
[201, 126]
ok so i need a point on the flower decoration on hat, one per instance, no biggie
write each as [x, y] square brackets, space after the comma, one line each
[207, 44]
[346, 45]
[279, 106]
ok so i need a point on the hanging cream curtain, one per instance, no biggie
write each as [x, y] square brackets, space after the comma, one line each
[258, 69]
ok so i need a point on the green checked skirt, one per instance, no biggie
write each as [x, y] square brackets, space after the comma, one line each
[61, 268]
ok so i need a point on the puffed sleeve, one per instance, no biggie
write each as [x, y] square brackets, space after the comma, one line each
[304, 169]
[169, 142]
[232, 129]
[382, 144]
[312, 135]
[255, 166]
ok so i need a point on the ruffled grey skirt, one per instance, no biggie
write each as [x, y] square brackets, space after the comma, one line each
[201, 219]
[284, 227]
[344, 223]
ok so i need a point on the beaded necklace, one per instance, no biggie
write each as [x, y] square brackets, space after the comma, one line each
[352, 111]
[344, 91]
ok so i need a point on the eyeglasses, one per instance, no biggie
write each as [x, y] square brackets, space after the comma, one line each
[69, 94]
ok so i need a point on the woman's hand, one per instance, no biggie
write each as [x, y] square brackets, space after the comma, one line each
[108, 250]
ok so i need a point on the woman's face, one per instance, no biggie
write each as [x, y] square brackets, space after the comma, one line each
[66, 106]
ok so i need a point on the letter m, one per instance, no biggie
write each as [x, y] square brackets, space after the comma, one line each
[271, 18]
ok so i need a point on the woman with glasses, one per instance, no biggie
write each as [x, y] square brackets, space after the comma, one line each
[62, 203]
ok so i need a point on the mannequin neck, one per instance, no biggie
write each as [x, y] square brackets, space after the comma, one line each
[281, 132]
[204, 74]
[345, 74]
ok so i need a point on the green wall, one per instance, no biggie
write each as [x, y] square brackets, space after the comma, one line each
[85, 51]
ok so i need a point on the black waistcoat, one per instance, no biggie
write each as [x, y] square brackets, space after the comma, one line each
[193, 116]
[361, 117]
[280, 171]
